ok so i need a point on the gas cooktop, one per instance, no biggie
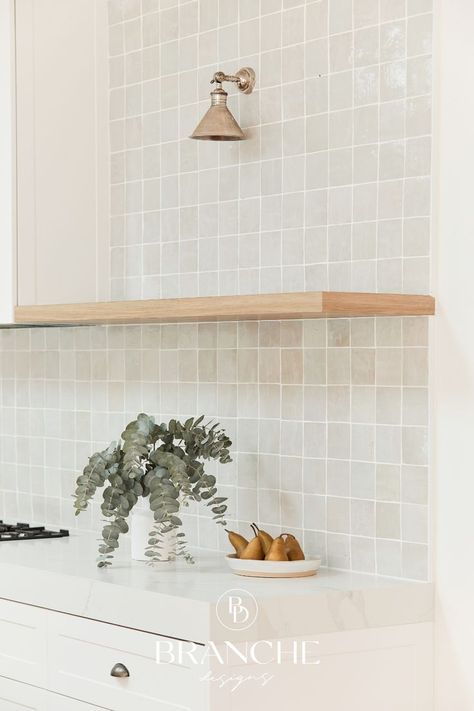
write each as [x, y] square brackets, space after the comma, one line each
[25, 532]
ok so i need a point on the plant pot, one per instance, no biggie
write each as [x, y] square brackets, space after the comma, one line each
[141, 524]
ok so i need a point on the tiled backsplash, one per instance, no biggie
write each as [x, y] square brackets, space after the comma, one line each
[332, 189]
[329, 420]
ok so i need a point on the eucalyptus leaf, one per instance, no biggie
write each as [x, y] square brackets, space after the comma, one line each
[164, 463]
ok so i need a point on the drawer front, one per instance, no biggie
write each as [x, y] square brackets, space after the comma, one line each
[23, 643]
[21, 697]
[82, 654]
[54, 702]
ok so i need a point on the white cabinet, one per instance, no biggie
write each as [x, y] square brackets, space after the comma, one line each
[82, 654]
[15, 696]
[62, 703]
[65, 662]
[385, 669]
[62, 150]
[54, 147]
[21, 697]
[23, 643]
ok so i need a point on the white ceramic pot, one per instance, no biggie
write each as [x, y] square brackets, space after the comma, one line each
[141, 523]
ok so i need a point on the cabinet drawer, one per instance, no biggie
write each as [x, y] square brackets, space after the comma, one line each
[21, 697]
[23, 643]
[54, 702]
[82, 654]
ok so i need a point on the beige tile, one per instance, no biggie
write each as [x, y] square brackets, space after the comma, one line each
[338, 477]
[292, 365]
[363, 554]
[363, 442]
[291, 334]
[247, 365]
[362, 480]
[387, 520]
[415, 366]
[314, 333]
[389, 406]
[338, 403]
[363, 517]
[292, 402]
[388, 444]
[269, 334]
[415, 406]
[227, 365]
[362, 332]
[363, 404]
[314, 512]
[338, 441]
[363, 366]
[389, 332]
[415, 445]
[388, 482]
[338, 366]
[338, 333]
[314, 403]
[415, 563]
[338, 550]
[389, 557]
[314, 476]
[414, 484]
[415, 523]
[269, 400]
[338, 515]
[389, 366]
[269, 365]
[314, 366]
[291, 505]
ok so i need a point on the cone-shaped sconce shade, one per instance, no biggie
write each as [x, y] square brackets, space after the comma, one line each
[218, 124]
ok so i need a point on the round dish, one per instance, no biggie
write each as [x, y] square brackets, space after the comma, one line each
[273, 568]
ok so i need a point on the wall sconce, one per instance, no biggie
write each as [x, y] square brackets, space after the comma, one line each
[218, 124]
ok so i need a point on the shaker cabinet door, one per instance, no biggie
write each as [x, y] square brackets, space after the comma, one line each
[62, 150]
[21, 697]
[23, 643]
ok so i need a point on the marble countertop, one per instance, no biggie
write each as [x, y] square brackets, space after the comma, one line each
[179, 600]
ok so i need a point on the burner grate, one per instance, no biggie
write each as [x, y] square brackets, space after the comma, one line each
[25, 532]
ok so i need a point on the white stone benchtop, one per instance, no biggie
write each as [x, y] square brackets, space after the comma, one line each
[179, 600]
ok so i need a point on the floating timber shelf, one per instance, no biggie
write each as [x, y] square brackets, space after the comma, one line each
[265, 307]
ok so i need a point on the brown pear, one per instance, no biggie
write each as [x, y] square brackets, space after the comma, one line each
[292, 547]
[277, 550]
[238, 541]
[253, 551]
[265, 539]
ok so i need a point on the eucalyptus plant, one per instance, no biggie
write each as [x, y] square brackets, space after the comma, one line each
[164, 463]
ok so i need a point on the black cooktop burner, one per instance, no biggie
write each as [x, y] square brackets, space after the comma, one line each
[24, 532]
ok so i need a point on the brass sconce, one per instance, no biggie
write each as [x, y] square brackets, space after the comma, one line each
[218, 124]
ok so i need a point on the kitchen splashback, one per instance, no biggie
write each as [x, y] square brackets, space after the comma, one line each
[329, 422]
[332, 190]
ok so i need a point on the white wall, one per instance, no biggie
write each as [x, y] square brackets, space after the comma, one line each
[453, 390]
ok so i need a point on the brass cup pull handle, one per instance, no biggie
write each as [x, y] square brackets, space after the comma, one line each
[120, 671]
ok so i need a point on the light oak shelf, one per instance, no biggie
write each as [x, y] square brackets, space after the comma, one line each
[265, 307]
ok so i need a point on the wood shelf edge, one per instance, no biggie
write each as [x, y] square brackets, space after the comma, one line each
[294, 305]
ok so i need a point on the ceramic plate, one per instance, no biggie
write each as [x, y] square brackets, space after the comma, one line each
[273, 569]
